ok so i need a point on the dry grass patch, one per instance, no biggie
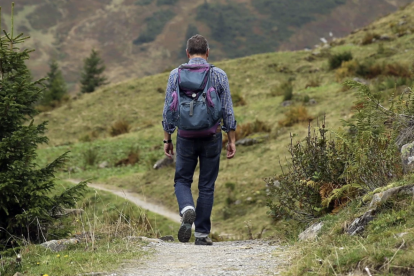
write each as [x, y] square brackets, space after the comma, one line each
[119, 127]
[295, 115]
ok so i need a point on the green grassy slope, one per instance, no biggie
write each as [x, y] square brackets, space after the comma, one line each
[140, 102]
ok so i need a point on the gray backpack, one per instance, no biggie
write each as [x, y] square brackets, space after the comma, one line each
[195, 107]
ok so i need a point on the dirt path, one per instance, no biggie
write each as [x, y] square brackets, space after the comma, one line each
[242, 258]
[135, 198]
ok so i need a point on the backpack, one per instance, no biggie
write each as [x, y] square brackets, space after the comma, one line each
[195, 107]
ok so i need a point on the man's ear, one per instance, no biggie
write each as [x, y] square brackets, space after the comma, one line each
[188, 55]
[207, 53]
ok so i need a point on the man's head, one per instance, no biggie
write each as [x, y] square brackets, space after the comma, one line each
[197, 46]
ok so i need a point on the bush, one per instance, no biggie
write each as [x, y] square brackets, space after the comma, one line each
[90, 157]
[369, 38]
[335, 61]
[250, 128]
[238, 99]
[347, 69]
[325, 174]
[132, 159]
[370, 70]
[285, 89]
[294, 115]
[119, 127]
[314, 81]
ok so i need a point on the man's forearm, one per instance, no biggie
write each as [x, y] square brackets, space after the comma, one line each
[231, 136]
[167, 136]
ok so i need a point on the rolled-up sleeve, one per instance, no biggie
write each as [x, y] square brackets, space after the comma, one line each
[171, 87]
[229, 121]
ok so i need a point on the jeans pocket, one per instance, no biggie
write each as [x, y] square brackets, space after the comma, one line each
[213, 147]
[185, 147]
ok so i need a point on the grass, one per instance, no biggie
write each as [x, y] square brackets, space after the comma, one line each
[254, 78]
[106, 221]
[385, 247]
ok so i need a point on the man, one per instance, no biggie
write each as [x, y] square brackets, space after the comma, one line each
[206, 149]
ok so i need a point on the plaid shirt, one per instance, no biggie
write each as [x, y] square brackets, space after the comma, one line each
[220, 83]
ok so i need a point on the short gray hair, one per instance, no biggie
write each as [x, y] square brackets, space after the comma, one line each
[197, 45]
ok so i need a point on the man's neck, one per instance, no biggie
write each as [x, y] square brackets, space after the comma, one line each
[199, 56]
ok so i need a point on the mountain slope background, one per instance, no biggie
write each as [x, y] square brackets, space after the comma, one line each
[142, 37]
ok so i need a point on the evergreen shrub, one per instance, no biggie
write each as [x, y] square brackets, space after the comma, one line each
[28, 208]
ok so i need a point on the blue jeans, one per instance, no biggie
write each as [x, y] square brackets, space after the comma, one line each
[188, 152]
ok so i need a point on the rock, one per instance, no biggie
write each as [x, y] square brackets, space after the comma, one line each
[400, 235]
[104, 165]
[382, 197]
[355, 31]
[311, 233]
[286, 103]
[238, 202]
[361, 80]
[74, 169]
[402, 22]
[407, 156]
[67, 212]
[141, 238]
[94, 274]
[167, 238]
[18, 274]
[358, 225]
[59, 245]
[165, 162]
[246, 142]
[312, 102]
[385, 38]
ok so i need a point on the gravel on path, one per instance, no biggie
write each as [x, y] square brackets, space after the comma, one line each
[241, 258]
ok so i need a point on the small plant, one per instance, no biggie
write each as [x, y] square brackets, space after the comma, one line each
[347, 69]
[90, 157]
[238, 99]
[314, 81]
[132, 159]
[119, 127]
[295, 114]
[369, 38]
[285, 89]
[336, 60]
[250, 128]
[230, 192]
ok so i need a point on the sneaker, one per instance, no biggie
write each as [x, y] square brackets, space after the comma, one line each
[184, 233]
[203, 241]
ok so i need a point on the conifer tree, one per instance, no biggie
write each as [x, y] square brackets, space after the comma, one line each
[91, 76]
[55, 86]
[27, 208]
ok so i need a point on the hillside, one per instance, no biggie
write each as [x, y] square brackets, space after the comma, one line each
[82, 125]
[142, 37]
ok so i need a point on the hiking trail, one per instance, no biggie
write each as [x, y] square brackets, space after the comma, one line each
[241, 258]
[135, 198]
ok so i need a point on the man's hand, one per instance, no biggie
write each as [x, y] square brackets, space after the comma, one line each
[169, 150]
[231, 150]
